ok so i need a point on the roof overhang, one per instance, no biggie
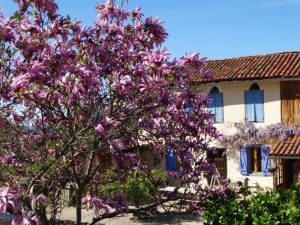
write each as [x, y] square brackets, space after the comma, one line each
[284, 157]
[210, 83]
[281, 65]
[289, 148]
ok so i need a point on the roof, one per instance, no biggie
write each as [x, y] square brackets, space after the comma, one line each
[289, 147]
[270, 66]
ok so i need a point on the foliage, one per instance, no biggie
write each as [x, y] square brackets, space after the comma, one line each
[76, 99]
[140, 187]
[223, 210]
[281, 207]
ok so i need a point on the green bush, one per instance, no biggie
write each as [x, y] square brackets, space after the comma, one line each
[225, 210]
[279, 208]
[139, 186]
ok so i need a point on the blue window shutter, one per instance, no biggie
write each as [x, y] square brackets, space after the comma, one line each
[211, 103]
[219, 107]
[265, 159]
[259, 105]
[187, 108]
[171, 159]
[244, 160]
[249, 103]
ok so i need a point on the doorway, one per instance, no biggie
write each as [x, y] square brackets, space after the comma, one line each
[288, 173]
[219, 158]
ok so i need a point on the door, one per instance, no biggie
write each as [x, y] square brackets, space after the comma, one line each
[284, 176]
[288, 173]
[290, 102]
[296, 171]
[219, 159]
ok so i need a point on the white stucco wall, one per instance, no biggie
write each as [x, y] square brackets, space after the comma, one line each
[234, 111]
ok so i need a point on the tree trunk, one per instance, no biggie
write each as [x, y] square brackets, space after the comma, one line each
[43, 215]
[78, 206]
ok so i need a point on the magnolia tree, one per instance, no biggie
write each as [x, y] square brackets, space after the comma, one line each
[73, 97]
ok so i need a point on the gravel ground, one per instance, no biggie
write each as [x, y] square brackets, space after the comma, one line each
[128, 219]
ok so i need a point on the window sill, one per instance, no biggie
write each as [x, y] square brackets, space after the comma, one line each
[218, 122]
[261, 174]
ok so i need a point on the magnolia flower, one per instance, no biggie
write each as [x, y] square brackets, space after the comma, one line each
[18, 220]
[156, 30]
[190, 58]
[36, 220]
[42, 199]
[9, 199]
[109, 3]
[136, 13]
[37, 71]
[174, 174]
[9, 160]
[65, 81]
[124, 82]
[110, 122]
[99, 129]
[117, 144]
[20, 82]
[119, 202]
[3, 206]
[97, 204]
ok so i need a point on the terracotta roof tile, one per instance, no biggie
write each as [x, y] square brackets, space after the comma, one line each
[276, 65]
[287, 147]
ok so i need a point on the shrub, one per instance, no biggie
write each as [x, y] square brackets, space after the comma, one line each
[281, 207]
[225, 210]
[139, 187]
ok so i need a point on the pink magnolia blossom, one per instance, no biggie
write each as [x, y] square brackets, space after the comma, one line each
[117, 144]
[42, 199]
[110, 122]
[9, 200]
[99, 128]
[97, 204]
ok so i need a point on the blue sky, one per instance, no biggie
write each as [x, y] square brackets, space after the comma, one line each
[215, 28]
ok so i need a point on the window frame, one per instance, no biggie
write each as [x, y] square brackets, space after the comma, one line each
[245, 160]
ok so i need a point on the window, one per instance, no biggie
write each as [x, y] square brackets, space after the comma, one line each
[278, 176]
[254, 160]
[215, 104]
[254, 104]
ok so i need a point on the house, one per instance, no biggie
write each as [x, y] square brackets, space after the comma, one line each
[263, 90]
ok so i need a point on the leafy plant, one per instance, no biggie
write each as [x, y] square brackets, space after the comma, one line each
[281, 207]
[226, 209]
[139, 187]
